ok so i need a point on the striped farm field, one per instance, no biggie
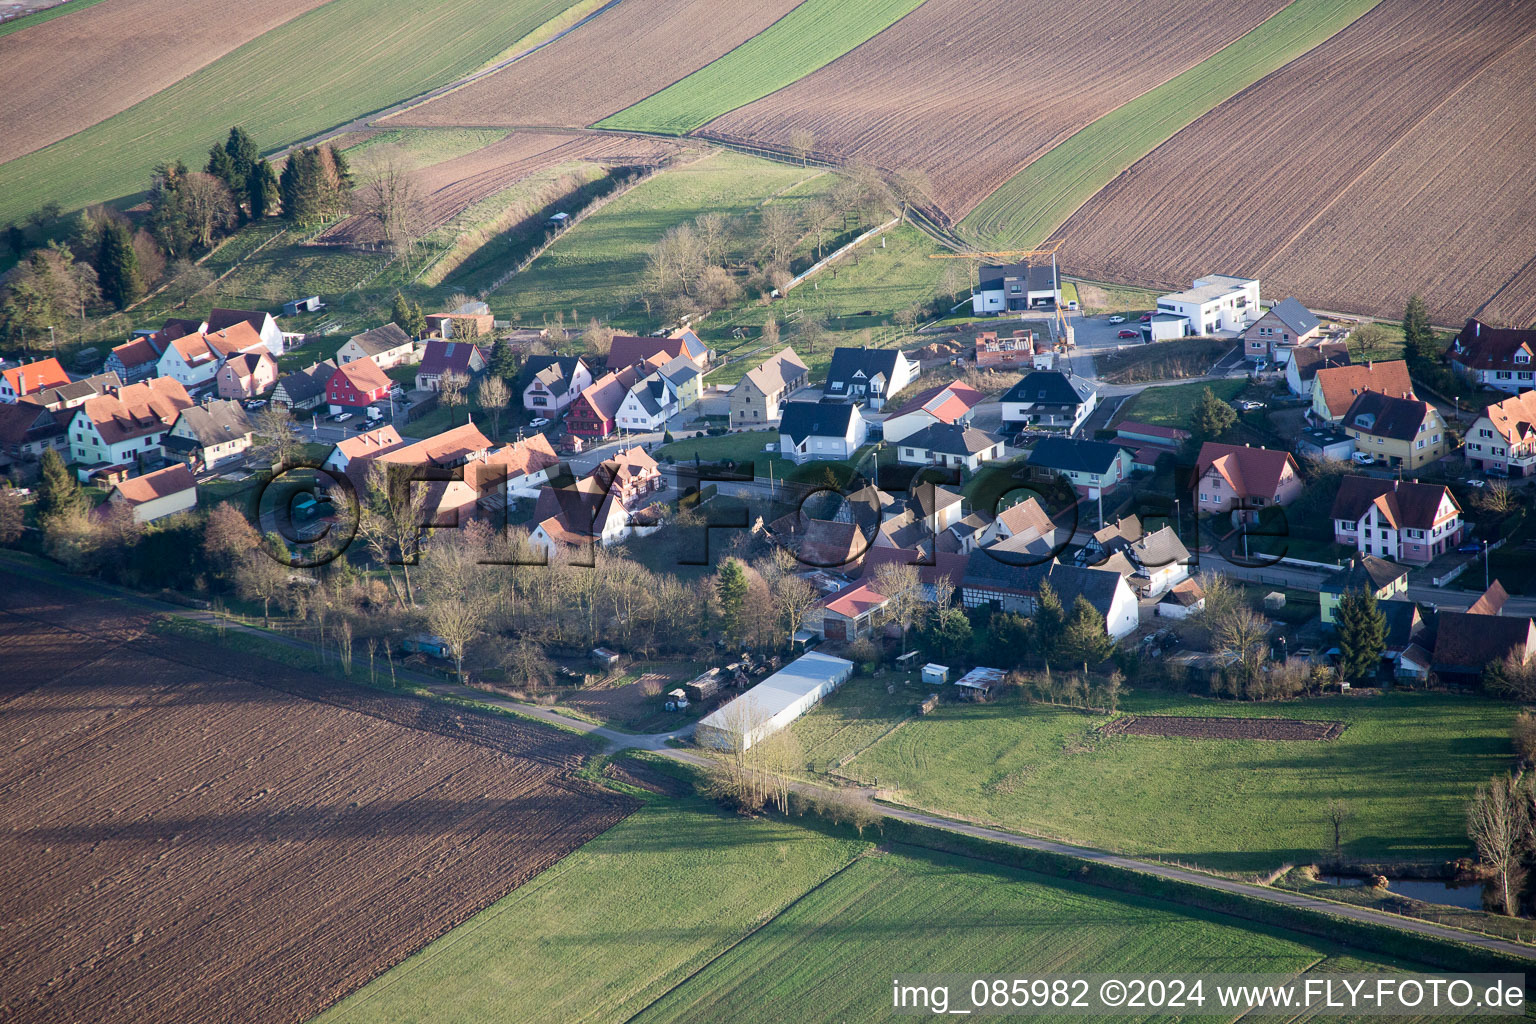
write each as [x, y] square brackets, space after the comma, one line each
[809, 37]
[1389, 160]
[338, 62]
[1034, 202]
[969, 91]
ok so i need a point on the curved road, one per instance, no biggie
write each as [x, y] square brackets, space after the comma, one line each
[659, 743]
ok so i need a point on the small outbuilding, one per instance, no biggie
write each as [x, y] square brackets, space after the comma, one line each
[977, 684]
[935, 675]
[773, 703]
[604, 657]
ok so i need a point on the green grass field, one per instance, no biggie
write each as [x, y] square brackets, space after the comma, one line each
[597, 267]
[1173, 406]
[28, 20]
[1405, 765]
[809, 37]
[1037, 200]
[340, 61]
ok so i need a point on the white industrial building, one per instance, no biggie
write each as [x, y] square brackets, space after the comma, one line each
[773, 703]
[1215, 303]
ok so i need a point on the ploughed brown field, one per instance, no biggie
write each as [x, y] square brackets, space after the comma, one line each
[969, 91]
[1198, 727]
[64, 75]
[453, 186]
[618, 59]
[1392, 159]
[190, 835]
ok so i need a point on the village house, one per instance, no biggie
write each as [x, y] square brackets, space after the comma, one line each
[1027, 517]
[820, 430]
[246, 375]
[1093, 467]
[1335, 388]
[304, 389]
[356, 385]
[852, 613]
[27, 430]
[1382, 579]
[220, 320]
[450, 498]
[869, 376]
[1182, 601]
[946, 405]
[194, 359]
[553, 383]
[1301, 369]
[444, 357]
[1396, 431]
[156, 495]
[1494, 357]
[118, 429]
[647, 406]
[1243, 480]
[205, 435]
[1024, 349]
[1284, 327]
[1214, 303]
[1015, 287]
[471, 320]
[1503, 440]
[991, 582]
[1049, 398]
[1401, 520]
[1152, 562]
[586, 512]
[1466, 643]
[757, 401]
[364, 446]
[595, 411]
[935, 506]
[627, 350]
[632, 476]
[684, 379]
[73, 394]
[949, 444]
[387, 346]
[30, 378]
[527, 464]
[139, 359]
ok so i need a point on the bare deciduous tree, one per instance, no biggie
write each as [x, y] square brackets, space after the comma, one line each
[458, 621]
[802, 143]
[492, 394]
[209, 205]
[1498, 823]
[276, 440]
[392, 199]
[452, 391]
[391, 520]
[902, 588]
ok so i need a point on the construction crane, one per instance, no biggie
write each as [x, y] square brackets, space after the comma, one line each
[1025, 256]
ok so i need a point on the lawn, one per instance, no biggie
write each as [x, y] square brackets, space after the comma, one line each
[1037, 200]
[596, 268]
[611, 928]
[340, 61]
[809, 37]
[1405, 766]
[1173, 406]
[831, 956]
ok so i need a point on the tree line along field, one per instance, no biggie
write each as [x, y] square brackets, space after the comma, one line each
[968, 106]
[1387, 161]
[1028, 207]
[47, 98]
[812, 35]
[1405, 765]
[339, 61]
[726, 918]
[613, 61]
[186, 838]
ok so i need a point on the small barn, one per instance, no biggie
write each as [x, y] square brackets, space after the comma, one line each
[773, 703]
[977, 684]
[935, 675]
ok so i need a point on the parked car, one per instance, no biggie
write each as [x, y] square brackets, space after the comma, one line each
[1117, 319]
[256, 403]
[1477, 483]
[1128, 334]
[540, 422]
[1361, 458]
[1248, 405]
[1146, 318]
[1470, 549]
[343, 417]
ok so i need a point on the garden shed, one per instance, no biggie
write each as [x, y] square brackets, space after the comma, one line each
[935, 675]
[978, 682]
[773, 703]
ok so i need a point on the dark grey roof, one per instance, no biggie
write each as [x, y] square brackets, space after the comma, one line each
[223, 319]
[1097, 585]
[1018, 571]
[1048, 387]
[302, 385]
[216, 422]
[679, 371]
[381, 339]
[951, 439]
[560, 371]
[1040, 277]
[815, 419]
[851, 365]
[1295, 316]
[1378, 573]
[928, 497]
[1072, 455]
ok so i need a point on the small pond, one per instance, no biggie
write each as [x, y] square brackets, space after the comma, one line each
[1430, 890]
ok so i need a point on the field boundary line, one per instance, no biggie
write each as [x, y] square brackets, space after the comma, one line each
[759, 926]
[1408, 130]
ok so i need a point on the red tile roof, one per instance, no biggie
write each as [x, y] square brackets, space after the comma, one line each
[1248, 471]
[30, 377]
[856, 600]
[364, 375]
[159, 484]
[1340, 384]
[1481, 347]
[148, 407]
[1403, 504]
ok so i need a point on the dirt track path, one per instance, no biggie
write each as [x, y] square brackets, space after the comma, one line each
[659, 743]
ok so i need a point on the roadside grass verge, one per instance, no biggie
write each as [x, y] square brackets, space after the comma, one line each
[1040, 198]
[807, 38]
[340, 61]
[1405, 765]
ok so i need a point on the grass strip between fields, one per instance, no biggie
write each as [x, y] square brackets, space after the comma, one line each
[38, 17]
[811, 36]
[1039, 199]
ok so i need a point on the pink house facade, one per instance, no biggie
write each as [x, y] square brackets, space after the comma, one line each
[1403, 521]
